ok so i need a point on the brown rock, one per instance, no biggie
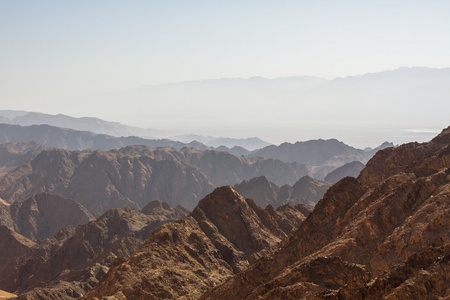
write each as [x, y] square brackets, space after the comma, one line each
[73, 261]
[135, 175]
[182, 260]
[382, 225]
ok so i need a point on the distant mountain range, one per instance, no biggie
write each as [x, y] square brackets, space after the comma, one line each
[94, 125]
[298, 108]
[115, 129]
[248, 143]
[320, 156]
[136, 175]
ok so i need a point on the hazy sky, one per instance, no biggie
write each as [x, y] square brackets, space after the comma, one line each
[52, 52]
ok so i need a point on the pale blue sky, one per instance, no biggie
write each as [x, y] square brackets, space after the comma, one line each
[52, 52]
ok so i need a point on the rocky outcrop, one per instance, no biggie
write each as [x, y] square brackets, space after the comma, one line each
[222, 235]
[351, 169]
[69, 264]
[384, 234]
[134, 176]
[306, 190]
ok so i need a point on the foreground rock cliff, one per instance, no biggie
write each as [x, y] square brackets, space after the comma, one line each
[384, 234]
[223, 234]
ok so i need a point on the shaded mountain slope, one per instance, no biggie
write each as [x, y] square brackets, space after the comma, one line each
[136, 175]
[181, 260]
[351, 169]
[398, 208]
[42, 216]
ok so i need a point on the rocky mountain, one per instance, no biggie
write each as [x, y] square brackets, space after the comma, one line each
[320, 156]
[342, 102]
[134, 176]
[384, 234]
[42, 216]
[15, 154]
[94, 125]
[351, 169]
[307, 191]
[70, 139]
[70, 263]
[222, 235]
[115, 129]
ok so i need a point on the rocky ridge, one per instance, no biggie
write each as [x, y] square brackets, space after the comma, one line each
[380, 235]
[136, 175]
[222, 235]
[71, 262]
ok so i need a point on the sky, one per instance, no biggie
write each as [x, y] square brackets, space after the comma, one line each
[53, 53]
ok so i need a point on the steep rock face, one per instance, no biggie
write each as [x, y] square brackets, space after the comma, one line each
[306, 191]
[371, 225]
[182, 260]
[71, 263]
[15, 154]
[43, 215]
[134, 176]
[351, 169]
